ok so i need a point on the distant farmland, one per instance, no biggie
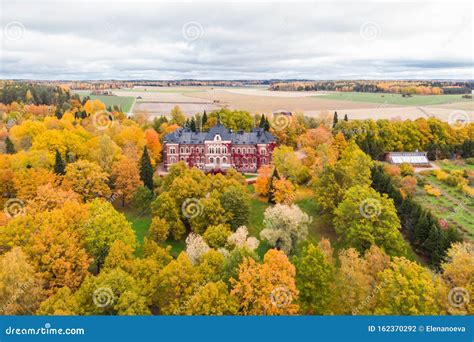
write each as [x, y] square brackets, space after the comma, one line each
[395, 99]
[124, 102]
[155, 101]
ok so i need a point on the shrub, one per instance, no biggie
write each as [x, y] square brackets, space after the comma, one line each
[284, 192]
[408, 184]
[420, 181]
[467, 190]
[456, 178]
[432, 191]
[407, 170]
[440, 175]
[392, 170]
[216, 236]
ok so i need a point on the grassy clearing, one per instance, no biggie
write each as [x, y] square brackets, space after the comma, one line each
[124, 102]
[452, 205]
[394, 99]
[140, 224]
[257, 208]
[448, 165]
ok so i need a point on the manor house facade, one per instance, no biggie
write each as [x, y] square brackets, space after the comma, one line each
[219, 149]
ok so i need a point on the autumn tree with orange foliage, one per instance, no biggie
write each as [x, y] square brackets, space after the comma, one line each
[154, 145]
[284, 192]
[49, 197]
[126, 178]
[93, 106]
[315, 137]
[262, 183]
[58, 255]
[408, 185]
[27, 182]
[268, 288]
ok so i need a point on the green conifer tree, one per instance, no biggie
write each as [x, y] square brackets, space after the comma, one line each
[146, 170]
[10, 148]
[59, 165]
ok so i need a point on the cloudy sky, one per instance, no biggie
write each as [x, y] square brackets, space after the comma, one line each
[238, 40]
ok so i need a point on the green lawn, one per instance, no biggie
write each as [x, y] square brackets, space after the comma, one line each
[394, 99]
[321, 225]
[176, 246]
[140, 223]
[257, 208]
[124, 102]
[448, 165]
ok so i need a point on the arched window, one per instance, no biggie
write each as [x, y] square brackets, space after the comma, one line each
[224, 160]
[217, 137]
[172, 150]
[181, 150]
[187, 149]
[218, 161]
[211, 160]
[238, 150]
[172, 160]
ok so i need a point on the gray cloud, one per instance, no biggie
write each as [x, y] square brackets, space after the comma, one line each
[145, 40]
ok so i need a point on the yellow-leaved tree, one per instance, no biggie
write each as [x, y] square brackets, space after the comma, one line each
[268, 288]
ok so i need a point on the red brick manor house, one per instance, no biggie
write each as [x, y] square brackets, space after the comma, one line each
[219, 149]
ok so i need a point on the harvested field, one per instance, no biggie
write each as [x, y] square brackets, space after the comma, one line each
[273, 102]
[160, 100]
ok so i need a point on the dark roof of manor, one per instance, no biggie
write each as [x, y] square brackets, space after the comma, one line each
[186, 136]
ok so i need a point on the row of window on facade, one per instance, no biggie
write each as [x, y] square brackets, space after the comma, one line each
[218, 160]
[216, 150]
